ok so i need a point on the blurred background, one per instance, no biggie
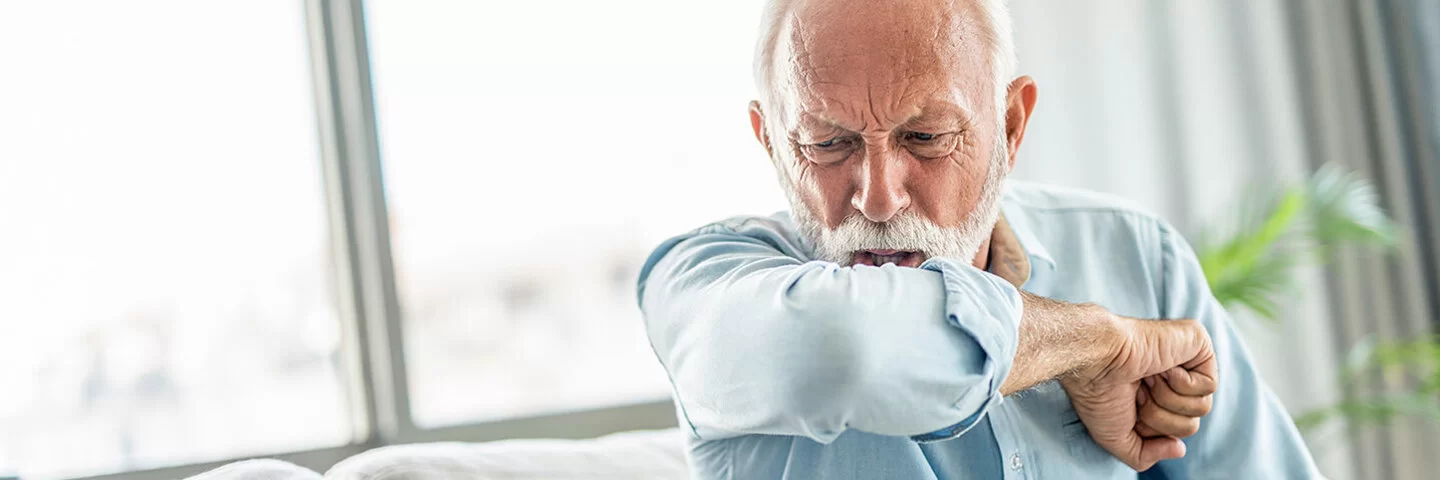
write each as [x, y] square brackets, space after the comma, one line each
[304, 229]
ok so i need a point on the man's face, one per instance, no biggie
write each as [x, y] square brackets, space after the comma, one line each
[886, 130]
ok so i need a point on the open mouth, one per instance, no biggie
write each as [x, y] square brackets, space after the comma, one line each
[901, 258]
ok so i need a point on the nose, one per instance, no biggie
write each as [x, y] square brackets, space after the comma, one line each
[882, 193]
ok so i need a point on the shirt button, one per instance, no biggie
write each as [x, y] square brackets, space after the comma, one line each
[1015, 462]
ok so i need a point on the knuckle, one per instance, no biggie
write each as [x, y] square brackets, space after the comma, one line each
[1179, 404]
[1167, 395]
[1192, 427]
[1206, 405]
[1190, 409]
[1195, 385]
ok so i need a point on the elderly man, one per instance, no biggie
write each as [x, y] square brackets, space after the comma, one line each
[915, 315]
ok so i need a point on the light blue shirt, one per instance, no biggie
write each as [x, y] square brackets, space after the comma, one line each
[787, 367]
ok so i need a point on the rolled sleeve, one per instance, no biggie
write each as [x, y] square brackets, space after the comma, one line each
[988, 309]
[757, 341]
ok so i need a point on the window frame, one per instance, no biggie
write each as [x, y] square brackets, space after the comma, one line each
[372, 351]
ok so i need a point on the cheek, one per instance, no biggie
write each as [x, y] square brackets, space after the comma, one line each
[827, 190]
[947, 190]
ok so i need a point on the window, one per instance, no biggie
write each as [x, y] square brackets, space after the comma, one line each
[170, 294]
[164, 259]
[528, 175]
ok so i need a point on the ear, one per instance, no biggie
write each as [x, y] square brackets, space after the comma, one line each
[757, 122]
[1019, 104]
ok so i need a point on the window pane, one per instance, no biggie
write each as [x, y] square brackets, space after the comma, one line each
[534, 153]
[164, 262]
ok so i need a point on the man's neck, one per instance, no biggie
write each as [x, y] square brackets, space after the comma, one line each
[982, 257]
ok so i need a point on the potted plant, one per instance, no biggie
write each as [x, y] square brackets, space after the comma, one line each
[1252, 267]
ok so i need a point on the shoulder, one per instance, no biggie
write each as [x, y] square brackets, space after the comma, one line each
[776, 230]
[772, 236]
[775, 222]
[1093, 239]
[1056, 200]
[1070, 211]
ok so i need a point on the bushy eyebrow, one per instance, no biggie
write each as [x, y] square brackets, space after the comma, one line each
[813, 123]
[939, 114]
[943, 115]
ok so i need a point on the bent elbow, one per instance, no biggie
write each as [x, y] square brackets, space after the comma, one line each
[826, 370]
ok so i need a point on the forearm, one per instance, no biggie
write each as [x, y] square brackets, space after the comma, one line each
[807, 350]
[759, 342]
[1055, 339]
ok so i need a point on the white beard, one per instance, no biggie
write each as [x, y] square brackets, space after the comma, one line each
[907, 231]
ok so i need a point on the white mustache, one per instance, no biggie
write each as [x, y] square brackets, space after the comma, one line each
[907, 231]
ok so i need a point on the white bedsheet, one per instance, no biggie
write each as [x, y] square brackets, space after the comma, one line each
[657, 454]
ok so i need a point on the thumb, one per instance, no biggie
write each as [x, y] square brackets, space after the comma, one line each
[1153, 450]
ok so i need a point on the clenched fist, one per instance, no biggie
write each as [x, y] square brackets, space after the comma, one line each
[1151, 392]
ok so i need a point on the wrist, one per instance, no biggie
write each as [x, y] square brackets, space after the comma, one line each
[1105, 335]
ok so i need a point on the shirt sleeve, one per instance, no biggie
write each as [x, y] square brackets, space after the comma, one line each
[1248, 433]
[758, 341]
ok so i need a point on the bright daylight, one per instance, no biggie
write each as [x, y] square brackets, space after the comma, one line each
[946, 239]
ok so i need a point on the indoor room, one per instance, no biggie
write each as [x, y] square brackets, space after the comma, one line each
[663, 239]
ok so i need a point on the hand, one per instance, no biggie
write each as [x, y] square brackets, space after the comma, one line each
[1172, 403]
[1108, 395]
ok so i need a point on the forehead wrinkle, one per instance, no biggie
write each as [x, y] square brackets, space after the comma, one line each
[884, 110]
[901, 110]
[822, 56]
[841, 114]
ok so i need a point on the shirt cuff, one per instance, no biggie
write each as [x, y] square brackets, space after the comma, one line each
[962, 427]
[988, 309]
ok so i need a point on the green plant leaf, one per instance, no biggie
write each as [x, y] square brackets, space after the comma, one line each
[1249, 269]
[1376, 411]
[1278, 231]
[1256, 286]
[1360, 358]
[1346, 209]
[1417, 357]
[1393, 360]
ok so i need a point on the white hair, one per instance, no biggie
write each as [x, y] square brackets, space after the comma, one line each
[995, 31]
